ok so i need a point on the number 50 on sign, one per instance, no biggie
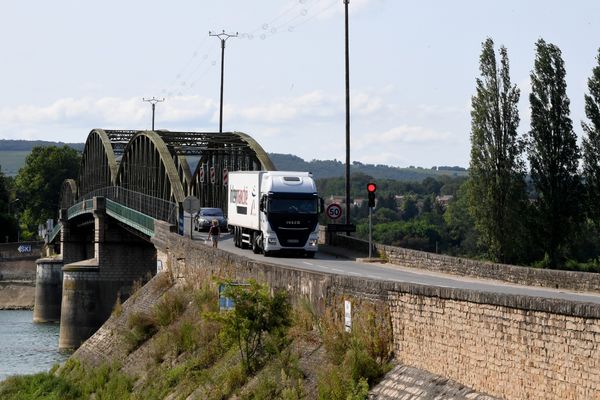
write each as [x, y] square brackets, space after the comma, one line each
[334, 211]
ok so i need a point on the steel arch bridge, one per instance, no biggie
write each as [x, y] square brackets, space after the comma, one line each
[149, 171]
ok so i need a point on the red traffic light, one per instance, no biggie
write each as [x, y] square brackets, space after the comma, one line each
[371, 187]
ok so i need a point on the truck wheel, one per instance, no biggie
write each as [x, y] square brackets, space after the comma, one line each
[255, 247]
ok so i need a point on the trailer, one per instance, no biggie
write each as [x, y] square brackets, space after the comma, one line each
[274, 211]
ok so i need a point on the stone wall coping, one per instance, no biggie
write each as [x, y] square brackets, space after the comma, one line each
[522, 275]
[90, 265]
[49, 260]
[368, 287]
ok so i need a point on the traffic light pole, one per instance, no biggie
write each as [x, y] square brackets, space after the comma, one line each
[370, 232]
[371, 189]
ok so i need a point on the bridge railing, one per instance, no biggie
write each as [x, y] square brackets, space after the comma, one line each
[54, 232]
[136, 219]
[152, 206]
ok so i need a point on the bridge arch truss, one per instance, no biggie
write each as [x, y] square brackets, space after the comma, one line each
[164, 165]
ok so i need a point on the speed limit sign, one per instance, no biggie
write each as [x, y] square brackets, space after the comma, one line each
[334, 211]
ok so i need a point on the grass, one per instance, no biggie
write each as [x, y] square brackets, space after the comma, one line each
[188, 355]
[39, 386]
[141, 327]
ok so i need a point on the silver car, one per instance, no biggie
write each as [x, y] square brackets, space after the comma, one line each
[205, 216]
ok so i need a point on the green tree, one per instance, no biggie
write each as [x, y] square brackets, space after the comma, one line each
[256, 316]
[553, 153]
[8, 225]
[409, 208]
[39, 181]
[496, 195]
[591, 145]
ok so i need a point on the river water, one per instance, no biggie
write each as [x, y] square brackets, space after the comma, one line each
[25, 347]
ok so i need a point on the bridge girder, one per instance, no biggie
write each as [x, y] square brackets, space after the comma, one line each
[68, 193]
[100, 160]
[157, 163]
[147, 166]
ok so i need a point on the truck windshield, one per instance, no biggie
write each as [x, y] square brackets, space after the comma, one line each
[296, 206]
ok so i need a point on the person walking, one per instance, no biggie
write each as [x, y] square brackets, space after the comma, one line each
[214, 233]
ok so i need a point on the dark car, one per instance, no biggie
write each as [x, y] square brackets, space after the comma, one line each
[205, 216]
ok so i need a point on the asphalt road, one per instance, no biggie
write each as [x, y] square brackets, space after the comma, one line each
[331, 264]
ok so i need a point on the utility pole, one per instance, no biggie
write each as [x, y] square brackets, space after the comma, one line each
[153, 101]
[347, 119]
[223, 37]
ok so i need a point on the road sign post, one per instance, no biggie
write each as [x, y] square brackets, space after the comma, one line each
[191, 205]
[334, 211]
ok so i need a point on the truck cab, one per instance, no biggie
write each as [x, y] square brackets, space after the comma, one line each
[289, 208]
[272, 211]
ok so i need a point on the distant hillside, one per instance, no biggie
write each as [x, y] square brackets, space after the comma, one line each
[14, 152]
[334, 168]
[27, 145]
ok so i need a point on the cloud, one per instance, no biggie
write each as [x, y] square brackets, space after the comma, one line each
[126, 112]
[402, 134]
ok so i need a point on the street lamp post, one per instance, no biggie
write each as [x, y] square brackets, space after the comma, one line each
[223, 38]
[347, 117]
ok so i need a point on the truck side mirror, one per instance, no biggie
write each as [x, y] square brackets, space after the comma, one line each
[321, 205]
[263, 203]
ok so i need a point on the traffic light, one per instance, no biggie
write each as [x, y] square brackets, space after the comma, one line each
[371, 188]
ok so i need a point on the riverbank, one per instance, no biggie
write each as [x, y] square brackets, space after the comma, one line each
[17, 274]
[17, 295]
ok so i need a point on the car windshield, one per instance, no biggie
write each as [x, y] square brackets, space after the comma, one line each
[211, 212]
[299, 206]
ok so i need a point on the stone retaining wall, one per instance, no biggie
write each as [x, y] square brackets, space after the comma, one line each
[513, 347]
[568, 280]
[508, 352]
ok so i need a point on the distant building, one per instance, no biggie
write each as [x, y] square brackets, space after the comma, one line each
[444, 200]
[336, 199]
[359, 201]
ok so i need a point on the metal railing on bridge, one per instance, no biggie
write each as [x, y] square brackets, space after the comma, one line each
[132, 208]
[148, 205]
[133, 218]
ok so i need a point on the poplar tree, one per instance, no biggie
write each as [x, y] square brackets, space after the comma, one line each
[591, 145]
[553, 153]
[496, 192]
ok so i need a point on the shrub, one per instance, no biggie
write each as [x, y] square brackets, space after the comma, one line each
[184, 337]
[256, 314]
[118, 307]
[206, 299]
[105, 382]
[164, 280]
[43, 385]
[141, 327]
[169, 308]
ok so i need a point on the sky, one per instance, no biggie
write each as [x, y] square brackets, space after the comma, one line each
[69, 66]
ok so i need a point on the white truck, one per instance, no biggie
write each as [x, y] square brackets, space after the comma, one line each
[270, 211]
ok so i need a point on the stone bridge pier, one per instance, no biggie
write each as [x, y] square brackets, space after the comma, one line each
[98, 270]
